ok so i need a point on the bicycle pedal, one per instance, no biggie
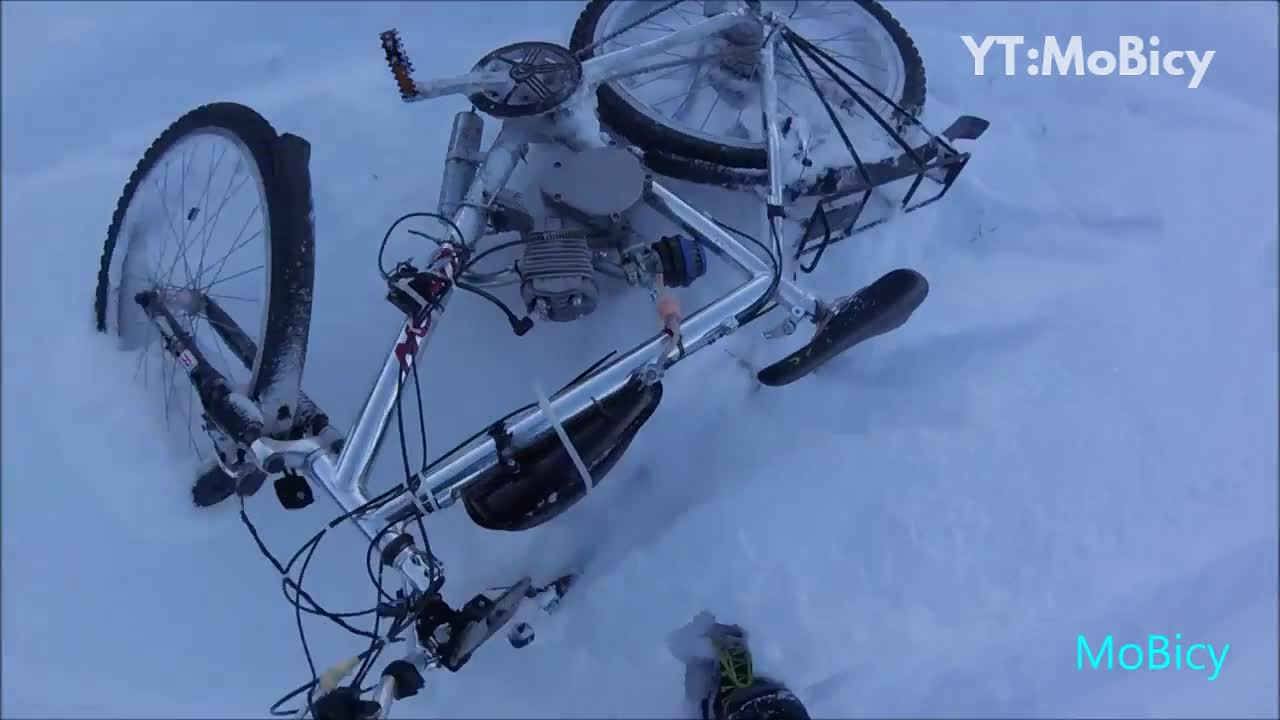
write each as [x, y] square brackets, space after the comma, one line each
[293, 491]
[212, 486]
[250, 483]
[398, 60]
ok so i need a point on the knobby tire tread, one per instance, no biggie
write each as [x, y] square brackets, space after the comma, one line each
[675, 154]
[292, 248]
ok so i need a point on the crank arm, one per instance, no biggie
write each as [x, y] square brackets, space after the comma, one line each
[603, 68]
[468, 84]
[452, 636]
[404, 678]
[478, 631]
[412, 91]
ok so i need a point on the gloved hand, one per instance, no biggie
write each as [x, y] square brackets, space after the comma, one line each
[720, 677]
[716, 657]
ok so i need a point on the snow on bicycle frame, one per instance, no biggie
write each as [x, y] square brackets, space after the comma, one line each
[530, 466]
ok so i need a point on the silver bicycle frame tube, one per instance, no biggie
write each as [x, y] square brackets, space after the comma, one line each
[345, 476]
[603, 68]
[450, 476]
[385, 696]
[773, 136]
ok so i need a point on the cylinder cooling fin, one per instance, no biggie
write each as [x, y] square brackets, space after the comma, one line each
[558, 279]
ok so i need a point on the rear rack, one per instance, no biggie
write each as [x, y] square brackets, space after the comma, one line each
[845, 194]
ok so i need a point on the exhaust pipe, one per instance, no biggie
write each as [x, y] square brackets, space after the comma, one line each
[461, 161]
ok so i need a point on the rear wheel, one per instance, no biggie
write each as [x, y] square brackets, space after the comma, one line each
[212, 221]
[697, 114]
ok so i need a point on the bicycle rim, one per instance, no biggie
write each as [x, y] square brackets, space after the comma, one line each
[189, 233]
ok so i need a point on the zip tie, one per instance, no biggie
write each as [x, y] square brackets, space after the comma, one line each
[545, 404]
[418, 501]
[330, 678]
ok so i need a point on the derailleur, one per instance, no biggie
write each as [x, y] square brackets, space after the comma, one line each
[451, 636]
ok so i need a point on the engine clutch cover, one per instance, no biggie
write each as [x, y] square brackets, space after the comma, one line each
[596, 183]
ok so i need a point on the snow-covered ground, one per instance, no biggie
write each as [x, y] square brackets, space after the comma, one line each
[1076, 434]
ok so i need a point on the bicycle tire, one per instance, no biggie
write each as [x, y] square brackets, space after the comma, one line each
[686, 157]
[282, 338]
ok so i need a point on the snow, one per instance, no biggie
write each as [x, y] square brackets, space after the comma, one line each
[1076, 434]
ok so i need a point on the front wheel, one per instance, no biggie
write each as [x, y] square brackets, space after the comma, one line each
[216, 221]
[697, 114]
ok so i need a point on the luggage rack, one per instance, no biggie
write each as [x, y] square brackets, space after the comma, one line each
[845, 194]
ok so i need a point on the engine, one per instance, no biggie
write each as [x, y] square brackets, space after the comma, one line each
[587, 198]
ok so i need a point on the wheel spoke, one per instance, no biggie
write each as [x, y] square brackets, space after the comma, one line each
[223, 296]
[239, 274]
[208, 222]
[177, 238]
[660, 27]
[708, 102]
[182, 208]
[679, 68]
[217, 278]
[695, 89]
[213, 223]
[712, 109]
[204, 219]
[173, 241]
[684, 15]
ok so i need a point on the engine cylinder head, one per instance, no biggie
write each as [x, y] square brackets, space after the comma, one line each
[558, 277]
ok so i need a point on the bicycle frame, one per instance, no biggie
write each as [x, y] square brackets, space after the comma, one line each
[345, 475]
[602, 409]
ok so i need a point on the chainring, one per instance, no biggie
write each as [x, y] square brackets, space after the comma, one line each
[542, 75]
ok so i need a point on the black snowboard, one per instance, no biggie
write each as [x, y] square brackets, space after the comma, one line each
[876, 309]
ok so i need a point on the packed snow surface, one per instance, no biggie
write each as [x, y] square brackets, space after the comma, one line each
[1075, 435]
